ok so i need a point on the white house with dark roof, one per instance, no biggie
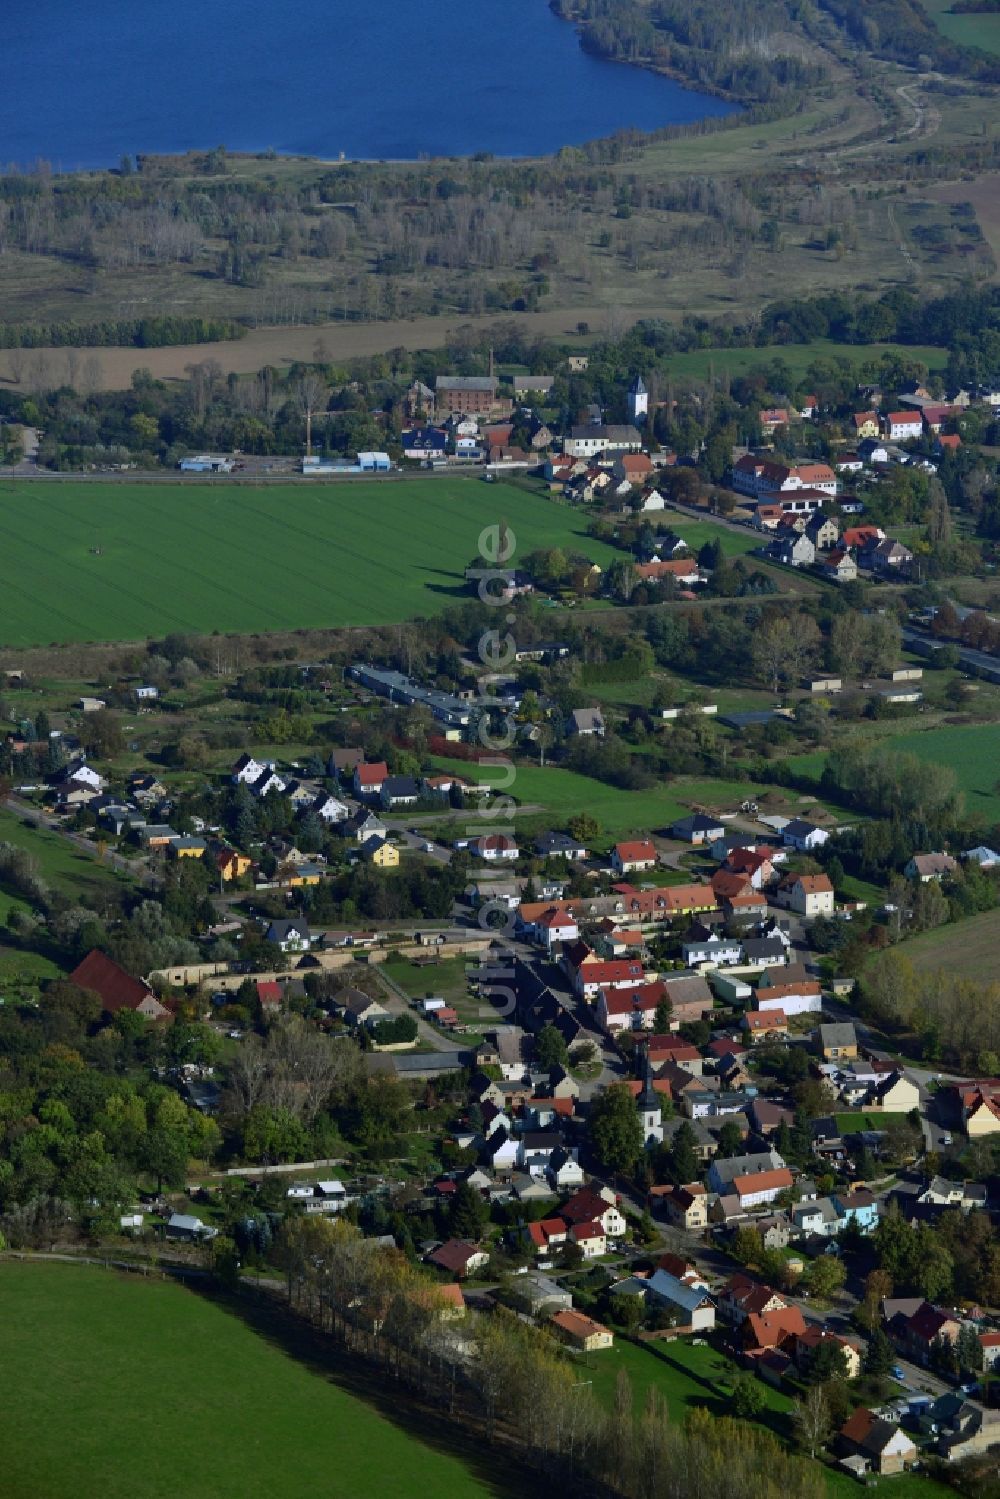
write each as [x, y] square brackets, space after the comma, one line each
[803, 836]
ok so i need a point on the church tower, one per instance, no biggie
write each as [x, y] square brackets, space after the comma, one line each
[638, 402]
[650, 1110]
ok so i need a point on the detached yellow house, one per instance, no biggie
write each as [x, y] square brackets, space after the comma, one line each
[581, 1332]
[380, 853]
[866, 424]
[232, 865]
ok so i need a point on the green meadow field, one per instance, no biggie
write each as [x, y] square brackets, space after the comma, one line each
[105, 561]
[117, 1387]
[77, 875]
[972, 751]
[700, 364]
[564, 793]
[966, 949]
[970, 29]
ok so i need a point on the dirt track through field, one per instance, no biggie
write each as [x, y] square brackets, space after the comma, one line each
[339, 341]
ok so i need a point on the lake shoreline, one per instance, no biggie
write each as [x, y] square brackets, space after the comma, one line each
[383, 91]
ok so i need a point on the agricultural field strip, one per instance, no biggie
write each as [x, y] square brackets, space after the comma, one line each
[273, 558]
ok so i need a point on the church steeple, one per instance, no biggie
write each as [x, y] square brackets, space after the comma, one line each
[650, 1109]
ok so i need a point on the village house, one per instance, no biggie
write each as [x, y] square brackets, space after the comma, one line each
[116, 989]
[494, 847]
[291, 935]
[459, 1257]
[380, 852]
[816, 1336]
[560, 846]
[792, 550]
[975, 1105]
[712, 952]
[742, 1297]
[803, 836]
[369, 778]
[596, 974]
[763, 1332]
[694, 1307]
[581, 1332]
[588, 440]
[626, 858]
[553, 927]
[586, 723]
[769, 479]
[765, 1025]
[756, 864]
[399, 791]
[686, 1207]
[754, 1178]
[886, 557]
[808, 894]
[927, 867]
[916, 1331]
[629, 1009]
[795, 997]
[682, 570]
[902, 426]
[822, 530]
[231, 865]
[839, 565]
[697, 829]
[869, 1442]
[838, 1043]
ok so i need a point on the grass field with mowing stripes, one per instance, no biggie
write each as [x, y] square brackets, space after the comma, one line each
[93, 561]
[122, 1388]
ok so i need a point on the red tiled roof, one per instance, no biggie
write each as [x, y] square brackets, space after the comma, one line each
[772, 1329]
[577, 1324]
[615, 971]
[857, 1426]
[454, 1255]
[787, 991]
[640, 849]
[747, 860]
[269, 991]
[650, 571]
[764, 1020]
[644, 998]
[495, 842]
[589, 1230]
[584, 1206]
[554, 917]
[373, 774]
[117, 989]
[763, 1181]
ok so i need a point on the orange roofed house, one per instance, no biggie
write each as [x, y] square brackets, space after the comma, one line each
[638, 855]
[767, 479]
[116, 989]
[581, 1332]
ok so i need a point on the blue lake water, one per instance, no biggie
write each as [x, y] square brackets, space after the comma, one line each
[85, 81]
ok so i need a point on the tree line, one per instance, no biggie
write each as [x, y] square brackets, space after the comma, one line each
[514, 1385]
